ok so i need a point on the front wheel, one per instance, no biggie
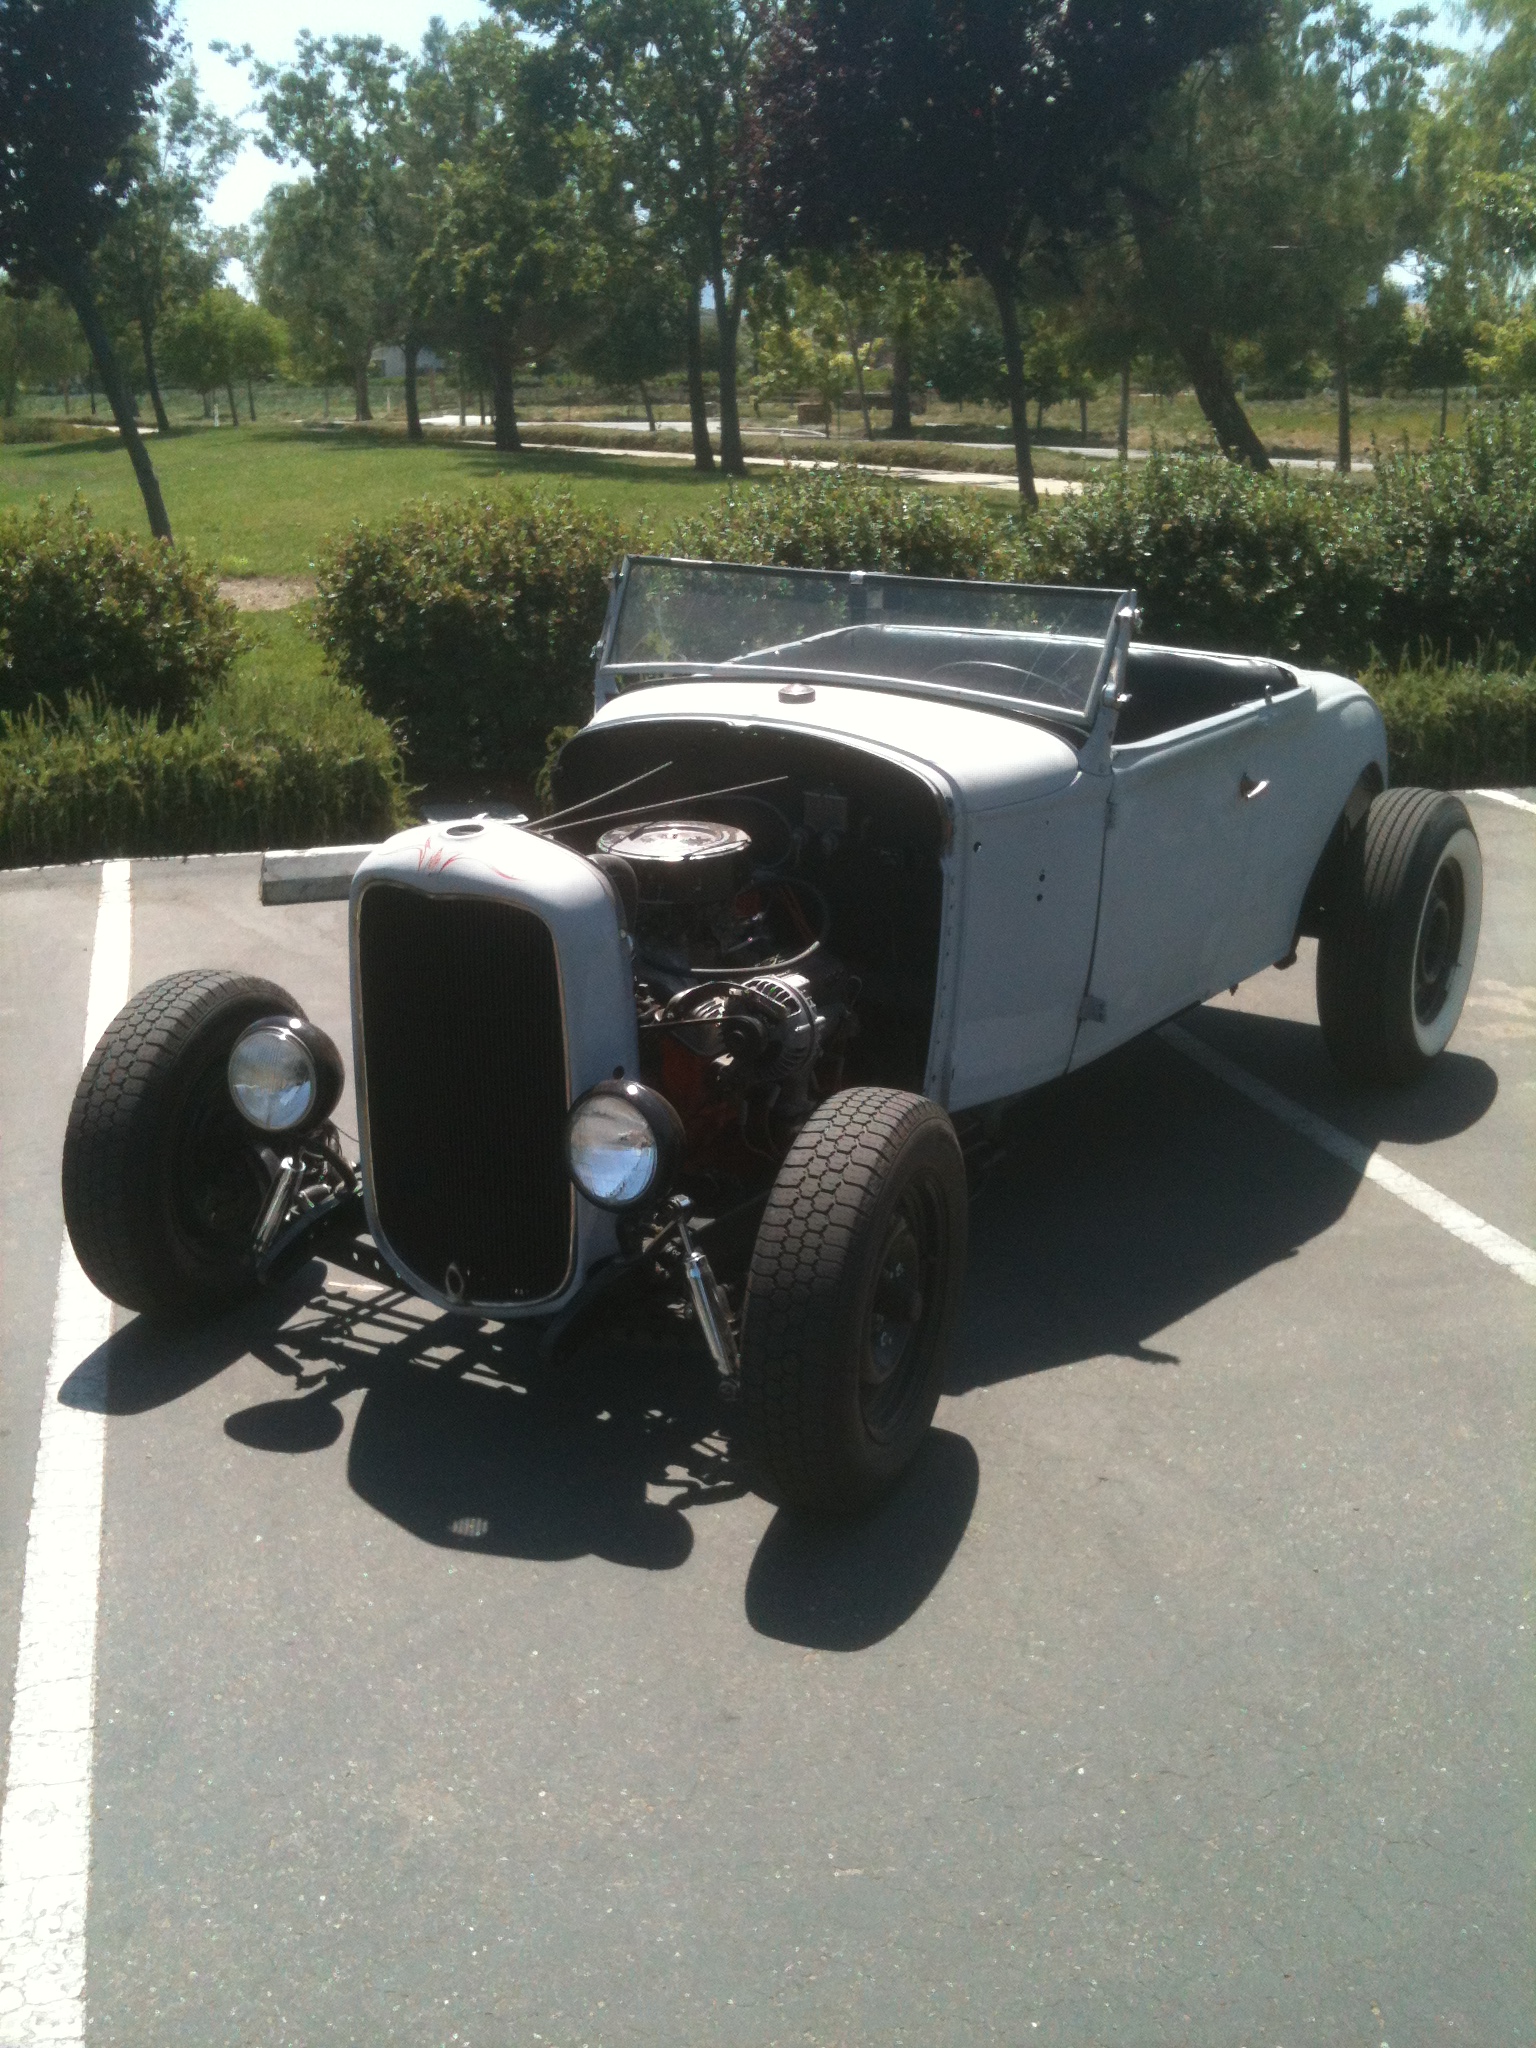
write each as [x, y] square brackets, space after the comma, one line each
[164, 1181]
[852, 1299]
[1395, 959]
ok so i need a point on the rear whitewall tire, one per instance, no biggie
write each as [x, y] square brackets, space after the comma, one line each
[1399, 945]
[1461, 862]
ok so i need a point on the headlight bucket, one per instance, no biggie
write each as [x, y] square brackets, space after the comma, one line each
[623, 1145]
[285, 1075]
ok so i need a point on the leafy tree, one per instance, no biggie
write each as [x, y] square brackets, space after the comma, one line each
[222, 340]
[314, 272]
[988, 131]
[1480, 153]
[505, 265]
[673, 82]
[1356, 89]
[635, 317]
[342, 246]
[1441, 343]
[1277, 187]
[78, 80]
[798, 341]
[1506, 353]
[960, 350]
[40, 343]
[834, 307]
[199, 346]
[158, 248]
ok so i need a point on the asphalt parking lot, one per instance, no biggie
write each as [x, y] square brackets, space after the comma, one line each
[1181, 1694]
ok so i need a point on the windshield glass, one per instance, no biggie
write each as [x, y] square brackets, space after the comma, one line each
[1013, 642]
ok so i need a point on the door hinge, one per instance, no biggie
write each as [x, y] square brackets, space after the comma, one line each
[1111, 811]
[1091, 1010]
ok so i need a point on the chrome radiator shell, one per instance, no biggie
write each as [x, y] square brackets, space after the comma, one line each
[471, 990]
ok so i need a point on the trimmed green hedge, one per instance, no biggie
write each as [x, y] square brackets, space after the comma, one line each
[472, 624]
[95, 780]
[1436, 553]
[1457, 727]
[84, 611]
[842, 519]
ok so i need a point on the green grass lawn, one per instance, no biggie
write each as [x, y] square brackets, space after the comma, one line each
[263, 501]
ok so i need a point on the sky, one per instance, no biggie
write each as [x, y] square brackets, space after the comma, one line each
[272, 31]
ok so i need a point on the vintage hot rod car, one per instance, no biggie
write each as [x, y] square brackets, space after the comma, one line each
[842, 864]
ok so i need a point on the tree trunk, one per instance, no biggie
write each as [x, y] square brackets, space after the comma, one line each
[650, 410]
[250, 398]
[1445, 407]
[76, 284]
[1123, 429]
[503, 411]
[1345, 452]
[858, 378]
[1219, 401]
[727, 324]
[463, 402]
[703, 454]
[1018, 398]
[413, 430]
[234, 409]
[1082, 417]
[363, 410]
[162, 421]
[901, 391]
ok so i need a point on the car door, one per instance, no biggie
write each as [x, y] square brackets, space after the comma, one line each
[1176, 852]
[1302, 779]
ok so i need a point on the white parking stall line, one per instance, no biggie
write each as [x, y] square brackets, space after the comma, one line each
[1505, 796]
[45, 1824]
[1486, 1238]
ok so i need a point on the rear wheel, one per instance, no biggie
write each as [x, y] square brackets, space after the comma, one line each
[1395, 959]
[852, 1299]
[164, 1181]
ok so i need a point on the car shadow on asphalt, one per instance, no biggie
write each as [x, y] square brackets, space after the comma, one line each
[468, 1440]
[1141, 1189]
[1129, 1196]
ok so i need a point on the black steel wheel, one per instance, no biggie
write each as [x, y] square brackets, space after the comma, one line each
[163, 1180]
[1395, 958]
[851, 1300]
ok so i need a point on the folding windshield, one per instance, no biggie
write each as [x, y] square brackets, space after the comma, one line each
[1021, 644]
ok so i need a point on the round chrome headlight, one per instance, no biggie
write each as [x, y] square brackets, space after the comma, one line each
[273, 1075]
[622, 1144]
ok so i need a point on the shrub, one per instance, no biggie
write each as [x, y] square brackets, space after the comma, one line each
[92, 780]
[1438, 551]
[1218, 556]
[472, 624]
[86, 612]
[1457, 727]
[838, 519]
[1454, 533]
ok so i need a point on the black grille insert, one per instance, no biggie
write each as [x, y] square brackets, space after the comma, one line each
[464, 1065]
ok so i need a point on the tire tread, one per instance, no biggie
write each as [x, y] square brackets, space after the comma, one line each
[112, 1122]
[830, 1182]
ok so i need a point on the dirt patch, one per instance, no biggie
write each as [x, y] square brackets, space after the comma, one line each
[266, 593]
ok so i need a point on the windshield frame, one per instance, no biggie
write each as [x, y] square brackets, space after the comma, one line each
[621, 678]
